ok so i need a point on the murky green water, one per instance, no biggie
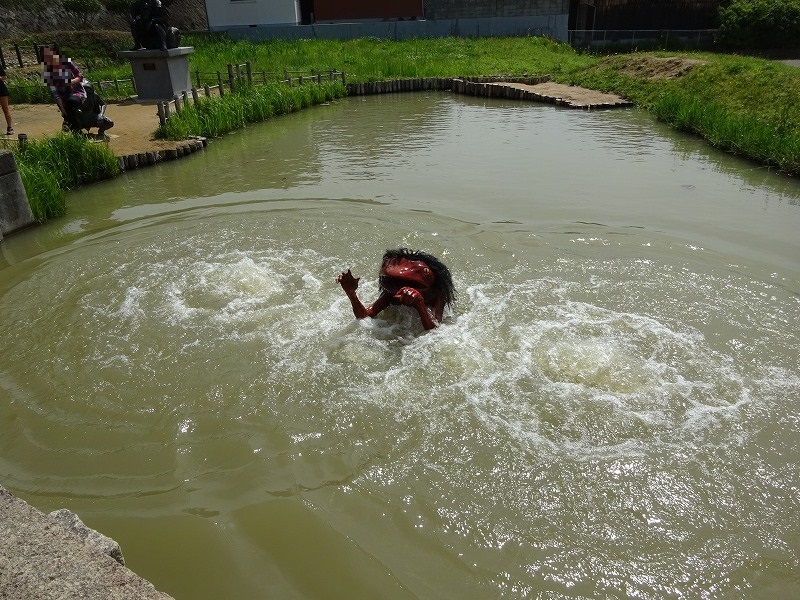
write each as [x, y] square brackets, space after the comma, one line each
[611, 408]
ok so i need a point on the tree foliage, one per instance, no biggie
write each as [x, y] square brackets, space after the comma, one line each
[760, 24]
[117, 7]
[83, 11]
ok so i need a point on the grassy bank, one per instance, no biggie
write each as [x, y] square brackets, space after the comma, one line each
[52, 166]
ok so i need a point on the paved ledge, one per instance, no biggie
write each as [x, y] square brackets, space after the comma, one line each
[42, 560]
[535, 89]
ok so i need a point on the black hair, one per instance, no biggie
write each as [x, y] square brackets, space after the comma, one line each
[443, 281]
[49, 46]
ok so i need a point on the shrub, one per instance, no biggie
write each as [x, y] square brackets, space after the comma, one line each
[84, 12]
[760, 24]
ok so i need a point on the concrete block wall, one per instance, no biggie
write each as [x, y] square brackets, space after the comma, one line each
[15, 212]
[554, 26]
[470, 9]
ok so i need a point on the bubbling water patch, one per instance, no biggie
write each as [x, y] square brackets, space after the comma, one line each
[208, 365]
[568, 358]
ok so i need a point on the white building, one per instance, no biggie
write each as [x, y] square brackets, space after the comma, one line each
[224, 14]
[387, 19]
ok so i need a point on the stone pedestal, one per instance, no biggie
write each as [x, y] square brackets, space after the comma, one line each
[160, 74]
[15, 212]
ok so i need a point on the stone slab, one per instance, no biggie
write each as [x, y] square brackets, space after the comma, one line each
[15, 211]
[42, 560]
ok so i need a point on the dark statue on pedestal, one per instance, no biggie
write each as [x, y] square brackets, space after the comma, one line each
[150, 26]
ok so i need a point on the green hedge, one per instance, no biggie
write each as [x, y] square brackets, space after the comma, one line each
[760, 24]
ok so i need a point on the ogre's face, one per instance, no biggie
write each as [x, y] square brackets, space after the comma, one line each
[397, 273]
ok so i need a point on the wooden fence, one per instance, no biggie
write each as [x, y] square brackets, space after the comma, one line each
[20, 55]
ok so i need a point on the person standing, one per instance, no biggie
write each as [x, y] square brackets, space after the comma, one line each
[4, 102]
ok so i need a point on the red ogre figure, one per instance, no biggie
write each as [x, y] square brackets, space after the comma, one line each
[414, 279]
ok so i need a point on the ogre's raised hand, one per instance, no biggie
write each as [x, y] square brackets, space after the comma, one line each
[347, 281]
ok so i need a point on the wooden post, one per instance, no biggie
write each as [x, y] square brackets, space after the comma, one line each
[116, 83]
[249, 70]
[194, 95]
[300, 79]
[177, 104]
[162, 114]
[19, 54]
[197, 75]
[185, 96]
[343, 81]
[230, 76]
[221, 89]
[238, 74]
[287, 78]
[264, 76]
[207, 90]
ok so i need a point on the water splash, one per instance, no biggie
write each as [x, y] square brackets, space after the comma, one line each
[214, 366]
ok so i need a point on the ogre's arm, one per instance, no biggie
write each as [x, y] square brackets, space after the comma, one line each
[349, 285]
[411, 297]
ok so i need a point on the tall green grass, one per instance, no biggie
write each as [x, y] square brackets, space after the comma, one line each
[370, 59]
[744, 134]
[52, 166]
[45, 196]
[364, 59]
[212, 117]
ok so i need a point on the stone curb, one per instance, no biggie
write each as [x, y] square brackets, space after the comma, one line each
[41, 559]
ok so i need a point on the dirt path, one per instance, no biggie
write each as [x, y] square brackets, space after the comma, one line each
[134, 124]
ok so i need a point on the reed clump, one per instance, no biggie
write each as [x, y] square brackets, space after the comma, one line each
[215, 116]
[54, 165]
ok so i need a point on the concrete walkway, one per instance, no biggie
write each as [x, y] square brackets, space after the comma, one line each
[42, 560]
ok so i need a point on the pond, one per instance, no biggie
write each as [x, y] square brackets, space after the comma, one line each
[609, 408]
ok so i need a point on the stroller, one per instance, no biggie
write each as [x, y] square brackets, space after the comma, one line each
[89, 113]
